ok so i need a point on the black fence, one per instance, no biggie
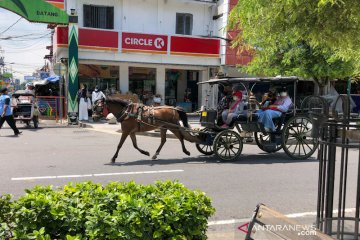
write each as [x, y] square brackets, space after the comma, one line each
[339, 177]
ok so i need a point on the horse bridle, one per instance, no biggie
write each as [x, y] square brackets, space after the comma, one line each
[124, 112]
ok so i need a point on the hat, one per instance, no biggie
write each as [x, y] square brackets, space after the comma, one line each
[3, 90]
[238, 94]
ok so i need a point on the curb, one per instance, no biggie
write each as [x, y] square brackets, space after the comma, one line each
[41, 126]
[148, 134]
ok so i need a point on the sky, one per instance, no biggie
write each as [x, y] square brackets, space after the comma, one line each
[24, 43]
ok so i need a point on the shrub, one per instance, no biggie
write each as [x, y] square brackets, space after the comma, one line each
[165, 210]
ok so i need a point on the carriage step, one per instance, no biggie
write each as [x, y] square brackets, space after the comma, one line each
[269, 147]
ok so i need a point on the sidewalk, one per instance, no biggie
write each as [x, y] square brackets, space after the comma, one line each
[53, 124]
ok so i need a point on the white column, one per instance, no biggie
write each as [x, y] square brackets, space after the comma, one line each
[160, 13]
[160, 82]
[204, 99]
[124, 78]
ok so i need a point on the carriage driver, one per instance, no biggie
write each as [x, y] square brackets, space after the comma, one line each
[275, 110]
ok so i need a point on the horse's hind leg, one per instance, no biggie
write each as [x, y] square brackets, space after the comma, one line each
[163, 140]
[133, 138]
[122, 140]
[178, 134]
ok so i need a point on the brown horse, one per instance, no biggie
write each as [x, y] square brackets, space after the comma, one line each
[151, 118]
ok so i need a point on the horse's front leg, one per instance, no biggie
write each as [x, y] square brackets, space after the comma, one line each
[133, 138]
[122, 140]
[163, 140]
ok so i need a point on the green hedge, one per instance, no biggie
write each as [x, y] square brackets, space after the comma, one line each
[165, 210]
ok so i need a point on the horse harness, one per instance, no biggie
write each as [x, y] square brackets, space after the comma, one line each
[143, 114]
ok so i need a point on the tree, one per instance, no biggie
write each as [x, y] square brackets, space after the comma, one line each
[7, 75]
[309, 38]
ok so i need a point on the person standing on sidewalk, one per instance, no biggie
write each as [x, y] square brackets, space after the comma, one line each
[83, 103]
[5, 111]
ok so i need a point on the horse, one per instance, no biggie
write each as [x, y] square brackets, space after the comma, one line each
[137, 118]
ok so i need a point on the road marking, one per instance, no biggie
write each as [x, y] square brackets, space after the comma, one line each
[95, 175]
[293, 215]
[227, 222]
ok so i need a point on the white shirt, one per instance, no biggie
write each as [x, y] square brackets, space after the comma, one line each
[97, 96]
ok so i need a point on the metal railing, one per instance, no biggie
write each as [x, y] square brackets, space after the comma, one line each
[338, 204]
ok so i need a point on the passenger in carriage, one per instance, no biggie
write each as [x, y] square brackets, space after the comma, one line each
[224, 103]
[269, 98]
[275, 110]
[235, 109]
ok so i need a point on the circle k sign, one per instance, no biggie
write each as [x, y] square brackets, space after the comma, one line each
[144, 42]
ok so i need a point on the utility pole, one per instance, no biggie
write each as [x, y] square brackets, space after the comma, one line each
[2, 62]
[2, 66]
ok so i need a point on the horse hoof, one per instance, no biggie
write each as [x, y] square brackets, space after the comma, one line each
[113, 160]
[154, 157]
[147, 154]
[187, 153]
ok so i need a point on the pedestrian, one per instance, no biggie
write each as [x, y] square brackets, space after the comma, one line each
[157, 100]
[5, 111]
[97, 95]
[83, 103]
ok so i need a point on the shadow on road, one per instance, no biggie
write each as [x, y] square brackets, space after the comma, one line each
[264, 158]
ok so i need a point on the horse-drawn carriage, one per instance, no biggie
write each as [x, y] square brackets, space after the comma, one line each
[292, 134]
[293, 131]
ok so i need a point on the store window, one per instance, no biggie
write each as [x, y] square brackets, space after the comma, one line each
[184, 23]
[98, 17]
[104, 76]
[171, 82]
[142, 81]
[181, 89]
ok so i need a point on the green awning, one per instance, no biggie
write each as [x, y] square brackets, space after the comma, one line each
[36, 11]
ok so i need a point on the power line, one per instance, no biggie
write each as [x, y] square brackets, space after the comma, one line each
[27, 47]
[11, 26]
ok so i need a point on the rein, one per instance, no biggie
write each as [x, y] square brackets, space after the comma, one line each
[127, 112]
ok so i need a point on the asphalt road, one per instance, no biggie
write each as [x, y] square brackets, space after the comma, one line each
[286, 185]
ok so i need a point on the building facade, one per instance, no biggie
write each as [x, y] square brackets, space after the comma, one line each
[152, 47]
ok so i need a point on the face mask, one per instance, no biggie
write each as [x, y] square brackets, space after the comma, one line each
[235, 98]
[283, 94]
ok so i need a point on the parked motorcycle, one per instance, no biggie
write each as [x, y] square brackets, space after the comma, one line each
[98, 110]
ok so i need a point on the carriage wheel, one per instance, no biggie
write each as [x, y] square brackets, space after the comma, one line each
[296, 138]
[228, 145]
[205, 149]
[262, 139]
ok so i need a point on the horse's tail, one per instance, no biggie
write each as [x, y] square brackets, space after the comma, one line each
[183, 117]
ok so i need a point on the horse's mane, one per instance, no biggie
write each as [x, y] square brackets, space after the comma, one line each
[117, 100]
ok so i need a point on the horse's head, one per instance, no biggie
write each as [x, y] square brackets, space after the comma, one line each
[116, 106]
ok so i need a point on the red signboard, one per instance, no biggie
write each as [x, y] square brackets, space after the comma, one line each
[149, 43]
[57, 3]
[93, 39]
[193, 46]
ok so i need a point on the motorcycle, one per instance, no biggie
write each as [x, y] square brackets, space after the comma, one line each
[98, 110]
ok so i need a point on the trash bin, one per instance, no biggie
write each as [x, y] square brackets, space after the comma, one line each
[318, 120]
